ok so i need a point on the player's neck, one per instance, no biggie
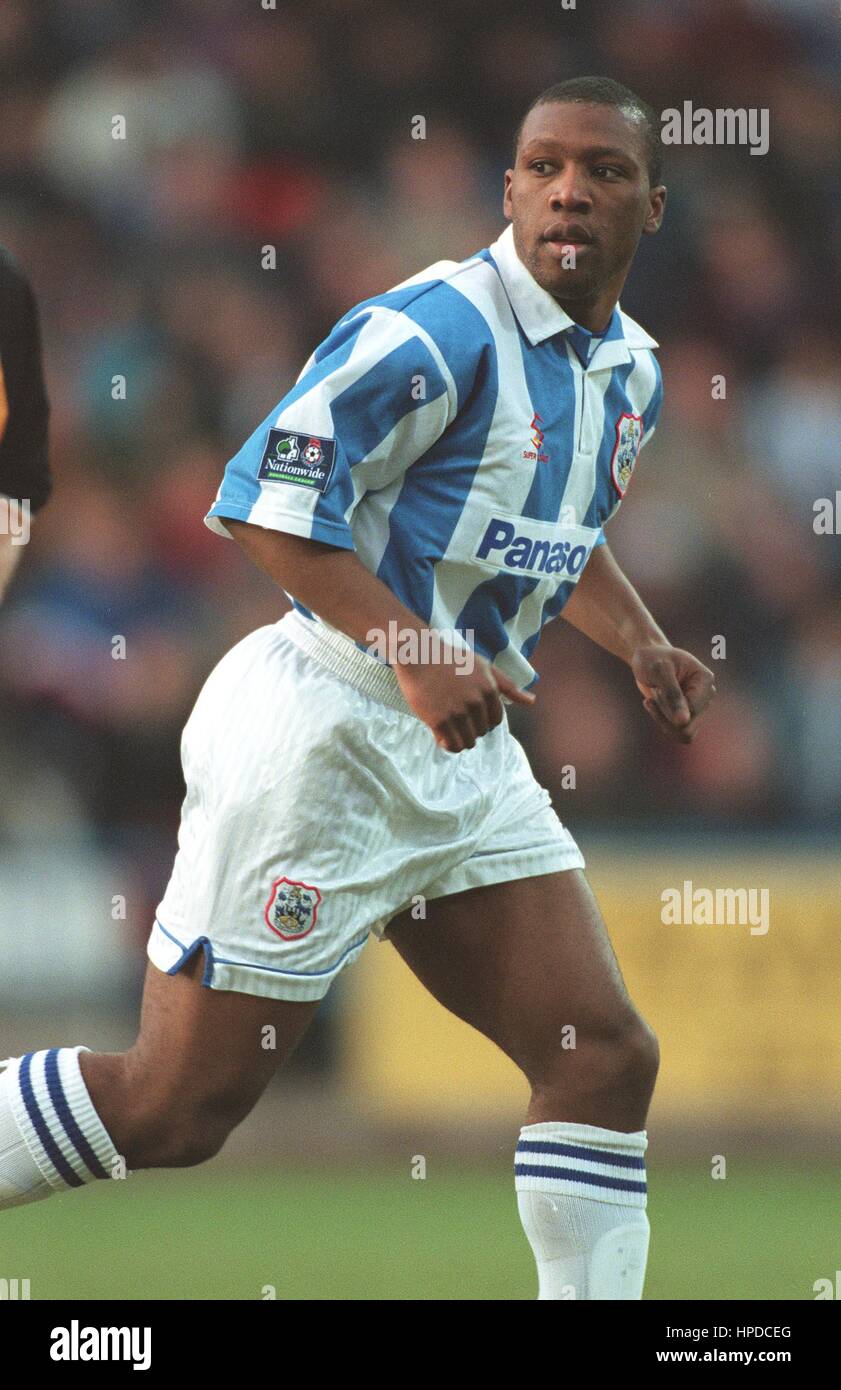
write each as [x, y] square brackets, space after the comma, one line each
[594, 311]
[594, 315]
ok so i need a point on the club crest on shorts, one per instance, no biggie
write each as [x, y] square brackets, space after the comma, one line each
[292, 908]
[625, 450]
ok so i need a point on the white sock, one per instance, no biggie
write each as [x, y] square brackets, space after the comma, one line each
[51, 1138]
[581, 1192]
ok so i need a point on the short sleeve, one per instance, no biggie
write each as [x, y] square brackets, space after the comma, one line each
[374, 397]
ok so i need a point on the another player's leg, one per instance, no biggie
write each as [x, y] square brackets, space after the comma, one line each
[525, 962]
[201, 1060]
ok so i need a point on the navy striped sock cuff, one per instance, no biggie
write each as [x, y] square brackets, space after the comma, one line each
[582, 1161]
[57, 1119]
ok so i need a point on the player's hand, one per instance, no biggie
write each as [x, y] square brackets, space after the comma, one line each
[458, 707]
[676, 688]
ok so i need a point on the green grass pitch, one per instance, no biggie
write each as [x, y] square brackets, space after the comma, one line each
[764, 1232]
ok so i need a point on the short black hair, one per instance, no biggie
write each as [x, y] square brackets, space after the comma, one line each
[603, 91]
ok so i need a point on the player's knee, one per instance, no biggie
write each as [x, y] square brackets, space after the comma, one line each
[625, 1063]
[623, 1060]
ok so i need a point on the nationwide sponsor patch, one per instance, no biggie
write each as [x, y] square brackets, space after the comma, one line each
[292, 908]
[625, 450]
[306, 459]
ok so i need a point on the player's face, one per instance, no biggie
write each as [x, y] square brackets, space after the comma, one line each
[580, 184]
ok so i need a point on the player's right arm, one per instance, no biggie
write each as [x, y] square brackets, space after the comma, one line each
[374, 397]
[458, 707]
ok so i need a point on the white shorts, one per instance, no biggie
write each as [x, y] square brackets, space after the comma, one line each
[318, 806]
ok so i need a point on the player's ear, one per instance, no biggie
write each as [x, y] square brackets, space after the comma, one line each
[506, 193]
[656, 209]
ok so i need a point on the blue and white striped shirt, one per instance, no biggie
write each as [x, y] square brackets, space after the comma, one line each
[465, 437]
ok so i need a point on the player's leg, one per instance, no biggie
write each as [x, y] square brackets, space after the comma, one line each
[201, 1060]
[529, 963]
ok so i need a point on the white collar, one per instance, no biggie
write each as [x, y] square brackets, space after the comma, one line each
[539, 313]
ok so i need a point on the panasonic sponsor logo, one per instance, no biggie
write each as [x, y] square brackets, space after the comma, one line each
[535, 547]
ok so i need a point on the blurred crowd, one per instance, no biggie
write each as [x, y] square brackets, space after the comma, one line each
[250, 126]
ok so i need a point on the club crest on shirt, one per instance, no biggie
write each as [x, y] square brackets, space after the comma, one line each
[306, 459]
[625, 450]
[292, 908]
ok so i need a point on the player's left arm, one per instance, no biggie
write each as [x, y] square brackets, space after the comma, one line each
[676, 687]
